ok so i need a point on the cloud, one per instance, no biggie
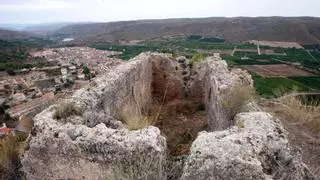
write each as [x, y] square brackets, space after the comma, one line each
[114, 10]
[35, 5]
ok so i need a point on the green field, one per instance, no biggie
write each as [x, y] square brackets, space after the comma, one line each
[266, 87]
[180, 46]
[311, 81]
[270, 87]
[316, 55]
[236, 60]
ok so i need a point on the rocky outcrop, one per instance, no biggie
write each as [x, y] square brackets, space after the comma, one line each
[255, 148]
[210, 79]
[92, 143]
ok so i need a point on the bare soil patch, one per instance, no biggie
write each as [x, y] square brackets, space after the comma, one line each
[271, 52]
[281, 44]
[180, 121]
[276, 70]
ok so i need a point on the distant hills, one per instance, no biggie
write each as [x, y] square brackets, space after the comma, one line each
[15, 35]
[304, 30]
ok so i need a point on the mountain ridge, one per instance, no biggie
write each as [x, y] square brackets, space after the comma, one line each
[304, 30]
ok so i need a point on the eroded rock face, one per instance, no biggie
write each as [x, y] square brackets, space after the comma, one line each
[256, 148]
[93, 144]
[167, 83]
[217, 80]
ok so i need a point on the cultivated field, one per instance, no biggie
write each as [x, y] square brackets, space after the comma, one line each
[276, 70]
[277, 44]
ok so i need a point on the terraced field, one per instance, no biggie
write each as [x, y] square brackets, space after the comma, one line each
[278, 70]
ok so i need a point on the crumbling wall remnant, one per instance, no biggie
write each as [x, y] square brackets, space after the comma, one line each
[94, 144]
[255, 148]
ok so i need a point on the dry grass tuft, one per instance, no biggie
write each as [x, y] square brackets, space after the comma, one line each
[235, 99]
[9, 158]
[134, 119]
[66, 109]
[134, 122]
[295, 110]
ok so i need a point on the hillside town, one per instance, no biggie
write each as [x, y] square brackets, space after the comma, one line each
[31, 90]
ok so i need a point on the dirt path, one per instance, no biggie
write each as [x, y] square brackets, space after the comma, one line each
[180, 121]
[234, 50]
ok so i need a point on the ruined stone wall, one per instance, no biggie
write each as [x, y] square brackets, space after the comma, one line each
[209, 79]
[255, 148]
[218, 80]
[94, 140]
[93, 144]
[167, 83]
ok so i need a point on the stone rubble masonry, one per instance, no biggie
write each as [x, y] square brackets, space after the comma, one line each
[255, 148]
[92, 143]
[91, 146]
[212, 78]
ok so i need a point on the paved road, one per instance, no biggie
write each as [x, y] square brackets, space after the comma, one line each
[234, 50]
[258, 48]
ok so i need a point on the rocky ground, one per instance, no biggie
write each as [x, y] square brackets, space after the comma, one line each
[301, 137]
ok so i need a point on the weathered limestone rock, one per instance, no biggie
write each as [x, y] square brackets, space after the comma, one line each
[167, 78]
[93, 144]
[217, 80]
[89, 142]
[256, 148]
[66, 151]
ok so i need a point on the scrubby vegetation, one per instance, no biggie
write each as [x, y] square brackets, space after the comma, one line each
[296, 110]
[136, 122]
[235, 99]
[134, 119]
[66, 109]
[196, 58]
[9, 157]
[15, 55]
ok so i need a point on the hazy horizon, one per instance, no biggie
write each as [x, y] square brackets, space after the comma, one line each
[60, 11]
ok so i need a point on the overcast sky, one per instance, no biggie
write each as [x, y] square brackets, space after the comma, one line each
[42, 11]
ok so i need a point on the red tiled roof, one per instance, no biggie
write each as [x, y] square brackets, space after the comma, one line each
[5, 130]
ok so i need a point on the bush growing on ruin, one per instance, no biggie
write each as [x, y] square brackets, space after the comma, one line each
[65, 110]
[135, 120]
[196, 58]
[235, 99]
[86, 72]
